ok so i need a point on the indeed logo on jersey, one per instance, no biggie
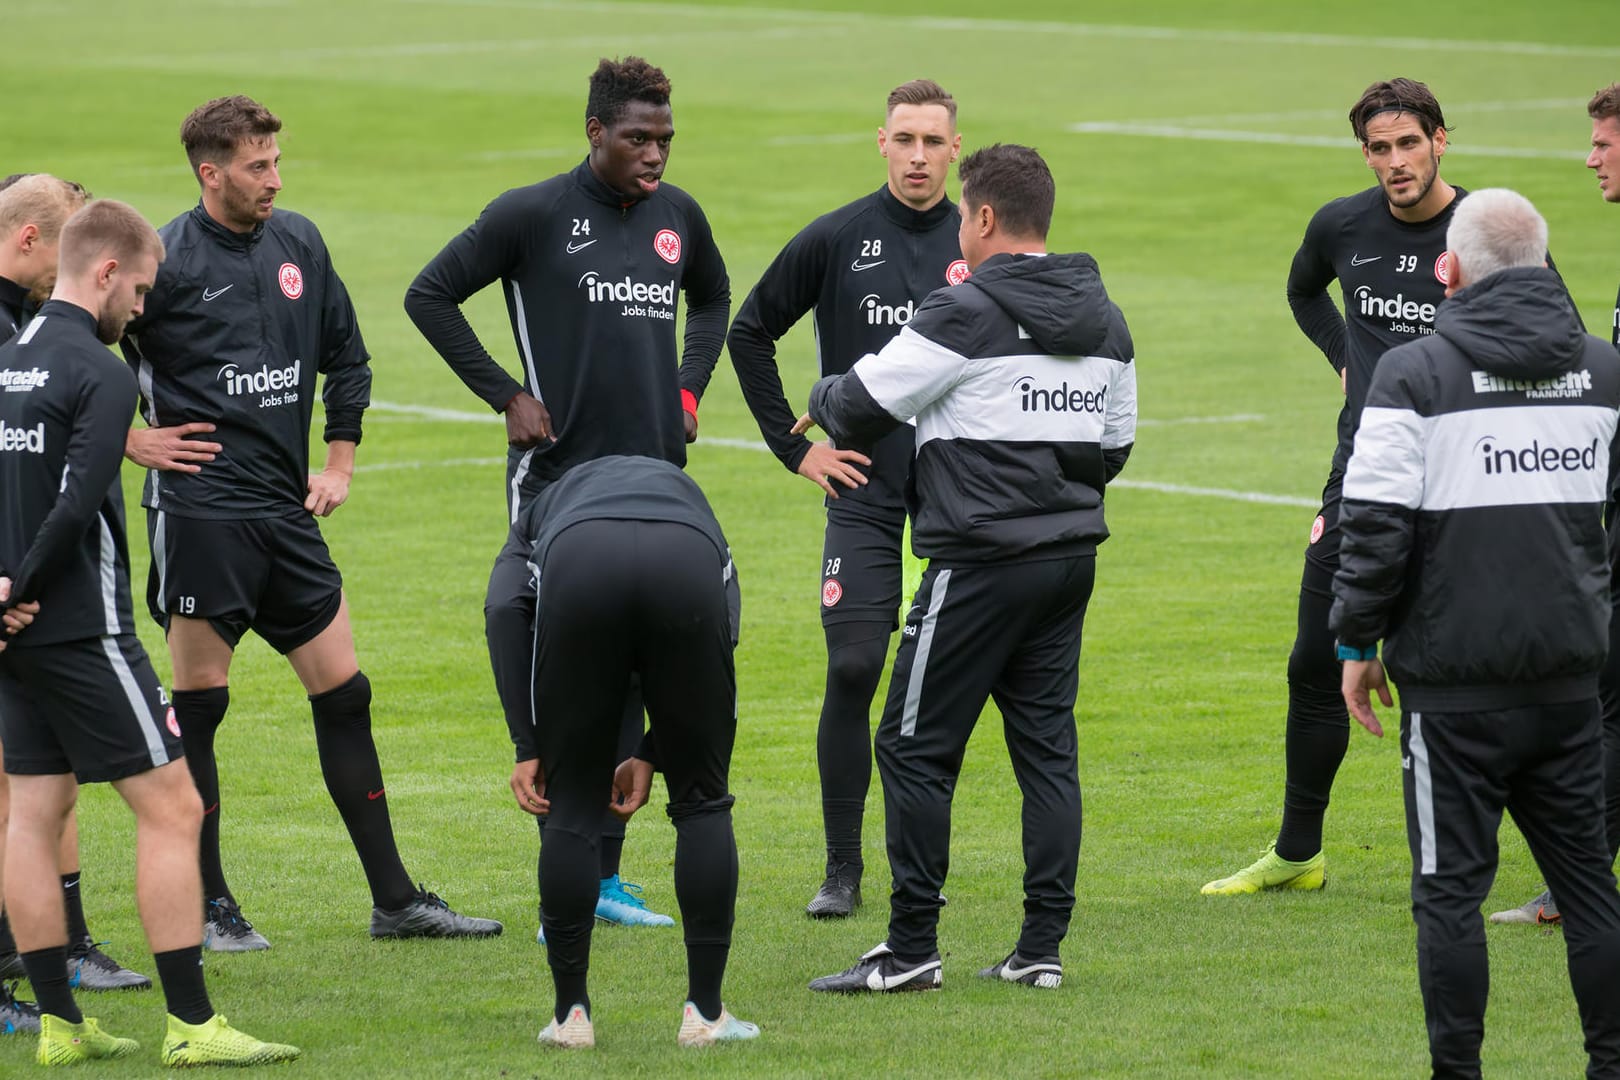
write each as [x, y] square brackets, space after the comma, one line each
[1536, 458]
[21, 440]
[276, 386]
[1034, 398]
[20, 382]
[636, 296]
[880, 314]
[1571, 384]
[1401, 312]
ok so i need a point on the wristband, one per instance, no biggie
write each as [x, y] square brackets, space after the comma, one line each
[689, 402]
[1350, 652]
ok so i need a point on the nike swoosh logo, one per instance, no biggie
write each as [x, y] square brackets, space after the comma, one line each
[574, 249]
[1016, 973]
[375, 795]
[1357, 260]
[858, 266]
[210, 294]
[876, 980]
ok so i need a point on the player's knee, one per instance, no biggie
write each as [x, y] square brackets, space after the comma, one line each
[696, 809]
[857, 666]
[1314, 665]
[345, 706]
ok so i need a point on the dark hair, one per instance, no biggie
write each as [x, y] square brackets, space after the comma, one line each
[1605, 104]
[616, 83]
[1398, 96]
[922, 92]
[105, 228]
[1014, 182]
[215, 129]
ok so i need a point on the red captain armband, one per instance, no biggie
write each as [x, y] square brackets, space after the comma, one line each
[689, 402]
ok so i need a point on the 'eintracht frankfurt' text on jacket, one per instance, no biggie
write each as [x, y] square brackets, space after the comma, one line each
[1022, 384]
[1481, 466]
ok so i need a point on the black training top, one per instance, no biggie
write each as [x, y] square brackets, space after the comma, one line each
[865, 268]
[65, 404]
[1392, 276]
[235, 330]
[590, 282]
[14, 308]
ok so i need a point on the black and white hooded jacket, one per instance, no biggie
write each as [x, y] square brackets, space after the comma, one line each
[1022, 386]
[1472, 519]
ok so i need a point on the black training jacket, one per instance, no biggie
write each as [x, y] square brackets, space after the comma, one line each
[1023, 385]
[1391, 276]
[590, 283]
[613, 488]
[1473, 541]
[14, 308]
[235, 330]
[65, 405]
[864, 268]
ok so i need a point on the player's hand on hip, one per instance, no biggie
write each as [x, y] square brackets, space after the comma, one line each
[17, 618]
[821, 465]
[171, 448]
[1360, 677]
[328, 490]
[801, 425]
[690, 420]
[632, 783]
[529, 787]
[528, 421]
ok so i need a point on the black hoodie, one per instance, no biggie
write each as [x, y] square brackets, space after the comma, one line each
[1022, 387]
[1472, 518]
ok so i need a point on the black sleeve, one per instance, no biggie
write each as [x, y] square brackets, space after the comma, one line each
[509, 632]
[708, 306]
[346, 389]
[481, 255]
[95, 450]
[786, 292]
[1383, 489]
[847, 411]
[1308, 280]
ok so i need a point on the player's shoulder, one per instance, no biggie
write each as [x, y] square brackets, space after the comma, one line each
[537, 195]
[1337, 213]
[295, 226]
[852, 215]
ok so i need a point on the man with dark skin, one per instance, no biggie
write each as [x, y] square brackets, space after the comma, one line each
[590, 262]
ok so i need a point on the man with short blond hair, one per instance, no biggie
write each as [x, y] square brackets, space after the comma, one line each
[863, 269]
[79, 701]
[33, 209]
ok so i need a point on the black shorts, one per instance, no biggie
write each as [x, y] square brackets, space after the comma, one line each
[1323, 546]
[92, 707]
[273, 576]
[860, 566]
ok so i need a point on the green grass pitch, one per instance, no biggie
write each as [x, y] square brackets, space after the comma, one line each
[404, 118]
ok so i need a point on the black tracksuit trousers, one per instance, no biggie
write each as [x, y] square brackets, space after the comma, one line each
[1010, 631]
[616, 598]
[1460, 771]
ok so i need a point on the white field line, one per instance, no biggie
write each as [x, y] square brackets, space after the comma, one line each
[431, 412]
[1279, 39]
[1465, 108]
[1277, 138]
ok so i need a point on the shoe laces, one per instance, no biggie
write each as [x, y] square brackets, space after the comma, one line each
[423, 896]
[628, 892]
[89, 952]
[229, 915]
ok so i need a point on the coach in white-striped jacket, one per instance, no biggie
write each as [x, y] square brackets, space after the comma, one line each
[1473, 547]
[1023, 390]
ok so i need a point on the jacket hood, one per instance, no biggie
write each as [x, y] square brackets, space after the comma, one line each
[1059, 300]
[1517, 322]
